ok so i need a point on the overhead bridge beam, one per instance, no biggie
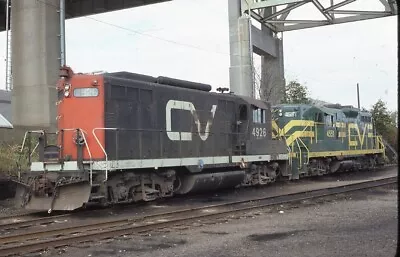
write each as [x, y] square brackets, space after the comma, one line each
[79, 8]
[263, 43]
[275, 14]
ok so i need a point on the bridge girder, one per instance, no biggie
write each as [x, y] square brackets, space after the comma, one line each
[275, 14]
[80, 8]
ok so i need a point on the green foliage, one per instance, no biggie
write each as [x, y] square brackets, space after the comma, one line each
[12, 160]
[393, 116]
[385, 122]
[295, 93]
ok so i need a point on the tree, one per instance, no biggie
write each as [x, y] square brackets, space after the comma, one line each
[269, 86]
[385, 122]
[295, 93]
[393, 116]
[381, 117]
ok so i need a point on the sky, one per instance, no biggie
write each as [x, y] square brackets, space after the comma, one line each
[189, 39]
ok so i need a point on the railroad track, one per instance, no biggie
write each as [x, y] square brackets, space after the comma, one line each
[29, 218]
[58, 237]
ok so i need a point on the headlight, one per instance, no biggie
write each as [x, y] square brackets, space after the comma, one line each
[67, 87]
[66, 93]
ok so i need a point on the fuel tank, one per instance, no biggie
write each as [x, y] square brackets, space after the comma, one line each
[191, 183]
[344, 165]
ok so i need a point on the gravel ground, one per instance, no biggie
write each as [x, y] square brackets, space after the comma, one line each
[7, 208]
[362, 223]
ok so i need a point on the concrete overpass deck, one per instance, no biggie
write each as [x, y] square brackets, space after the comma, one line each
[79, 8]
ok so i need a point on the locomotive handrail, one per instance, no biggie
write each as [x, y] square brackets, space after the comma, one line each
[380, 144]
[34, 149]
[84, 138]
[308, 151]
[26, 133]
[299, 147]
[305, 144]
[300, 156]
[88, 149]
[30, 153]
[290, 155]
[102, 148]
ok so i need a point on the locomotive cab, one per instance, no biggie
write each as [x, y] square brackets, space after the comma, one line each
[282, 114]
[80, 112]
[255, 123]
[253, 126]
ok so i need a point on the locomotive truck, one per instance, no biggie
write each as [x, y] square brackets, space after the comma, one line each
[124, 137]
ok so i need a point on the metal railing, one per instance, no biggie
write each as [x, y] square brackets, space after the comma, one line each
[308, 151]
[41, 132]
[81, 132]
[102, 148]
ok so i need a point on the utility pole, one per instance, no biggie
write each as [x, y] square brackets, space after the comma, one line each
[62, 33]
[358, 96]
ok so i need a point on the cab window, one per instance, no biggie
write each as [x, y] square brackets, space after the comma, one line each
[318, 117]
[259, 115]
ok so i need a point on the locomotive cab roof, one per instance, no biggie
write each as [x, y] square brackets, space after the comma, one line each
[256, 102]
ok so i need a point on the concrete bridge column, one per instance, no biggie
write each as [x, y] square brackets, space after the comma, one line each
[246, 39]
[272, 73]
[35, 62]
[241, 75]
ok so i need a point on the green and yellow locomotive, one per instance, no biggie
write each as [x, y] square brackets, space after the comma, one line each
[327, 139]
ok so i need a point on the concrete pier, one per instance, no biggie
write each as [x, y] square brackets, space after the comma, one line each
[246, 39]
[272, 72]
[241, 76]
[35, 62]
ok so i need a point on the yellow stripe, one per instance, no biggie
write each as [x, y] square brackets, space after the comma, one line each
[353, 143]
[348, 152]
[298, 134]
[340, 124]
[275, 126]
[296, 123]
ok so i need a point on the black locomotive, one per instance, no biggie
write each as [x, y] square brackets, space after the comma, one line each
[125, 137]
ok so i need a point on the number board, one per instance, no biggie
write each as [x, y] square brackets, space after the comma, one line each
[259, 132]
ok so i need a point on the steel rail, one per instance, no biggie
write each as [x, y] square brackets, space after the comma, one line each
[4, 225]
[18, 215]
[31, 221]
[124, 226]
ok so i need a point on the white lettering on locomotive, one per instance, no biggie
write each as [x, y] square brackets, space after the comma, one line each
[187, 106]
[259, 132]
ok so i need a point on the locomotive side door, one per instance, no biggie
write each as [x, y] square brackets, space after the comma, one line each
[240, 130]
